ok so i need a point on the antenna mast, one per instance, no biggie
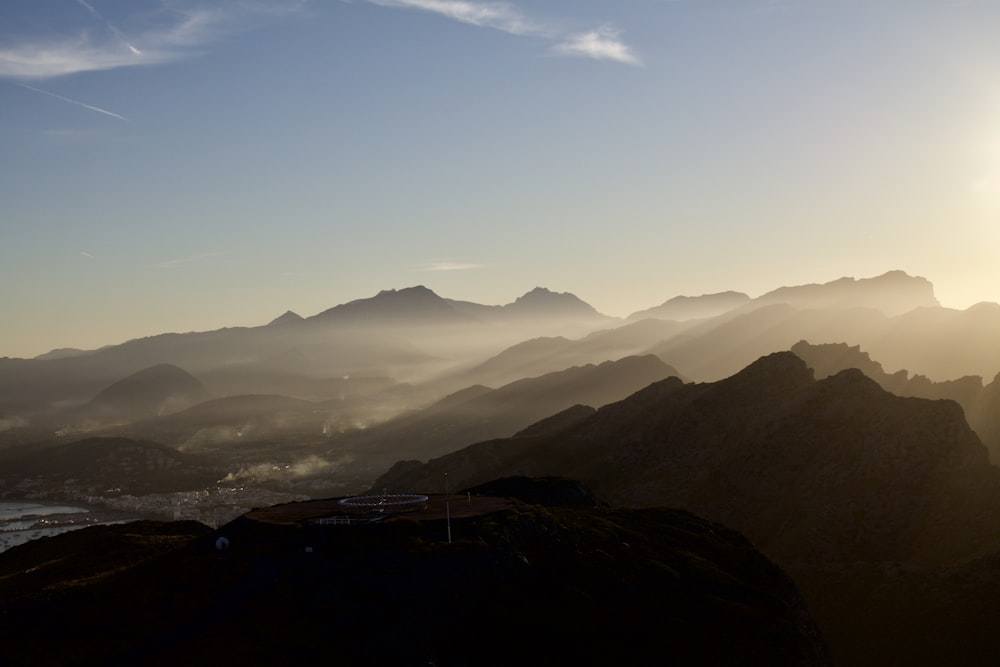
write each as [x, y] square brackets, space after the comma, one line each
[447, 507]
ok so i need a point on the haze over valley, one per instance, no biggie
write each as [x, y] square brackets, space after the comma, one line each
[470, 332]
[325, 404]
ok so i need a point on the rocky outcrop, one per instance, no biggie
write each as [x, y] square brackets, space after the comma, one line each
[981, 404]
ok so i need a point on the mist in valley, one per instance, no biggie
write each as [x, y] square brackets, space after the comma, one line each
[649, 332]
[687, 404]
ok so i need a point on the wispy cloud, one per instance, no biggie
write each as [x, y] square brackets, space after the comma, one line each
[87, 255]
[76, 102]
[114, 30]
[600, 44]
[498, 15]
[185, 261]
[451, 266]
[177, 34]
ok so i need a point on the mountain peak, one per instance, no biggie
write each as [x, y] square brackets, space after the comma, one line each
[150, 391]
[288, 317]
[542, 300]
[417, 291]
[416, 304]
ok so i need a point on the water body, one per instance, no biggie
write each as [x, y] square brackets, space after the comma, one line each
[25, 520]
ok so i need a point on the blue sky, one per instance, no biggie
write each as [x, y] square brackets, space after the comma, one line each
[175, 165]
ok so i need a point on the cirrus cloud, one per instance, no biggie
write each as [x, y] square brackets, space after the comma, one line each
[180, 32]
[600, 44]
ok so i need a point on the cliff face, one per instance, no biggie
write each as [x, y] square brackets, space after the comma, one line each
[831, 469]
[575, 584]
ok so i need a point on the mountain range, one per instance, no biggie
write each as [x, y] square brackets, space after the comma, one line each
[885, 509]
[767, 416]
[802, 466]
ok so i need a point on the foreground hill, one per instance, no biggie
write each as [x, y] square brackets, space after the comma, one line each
[574, 584]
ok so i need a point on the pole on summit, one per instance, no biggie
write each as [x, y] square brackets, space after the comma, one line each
[447, 507]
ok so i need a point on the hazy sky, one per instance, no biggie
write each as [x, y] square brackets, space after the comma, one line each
[176, 165]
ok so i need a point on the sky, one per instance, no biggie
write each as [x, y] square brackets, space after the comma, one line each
[179, 165]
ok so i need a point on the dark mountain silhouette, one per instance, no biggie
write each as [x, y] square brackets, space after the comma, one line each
[478, 413]
[981, 404]
[153, 391]
[693, 307]
[883, 508]
[572, 584]
[876, 614]
[837, 468]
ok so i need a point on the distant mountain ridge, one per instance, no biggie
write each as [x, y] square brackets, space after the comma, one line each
[893, 293]
[414, 337]
[411, 305]
[693, 307]
[478, 413]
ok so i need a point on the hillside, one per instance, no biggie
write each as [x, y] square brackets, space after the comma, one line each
[100, 465]
[479, 413]
[833, 468]
[576, 584]
[885, 509]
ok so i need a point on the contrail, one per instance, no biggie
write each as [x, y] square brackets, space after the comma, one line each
[78, 103]
[118, 33]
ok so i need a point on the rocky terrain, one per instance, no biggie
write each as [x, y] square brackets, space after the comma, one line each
[571, 583]
[981, 403]
[875, 503]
